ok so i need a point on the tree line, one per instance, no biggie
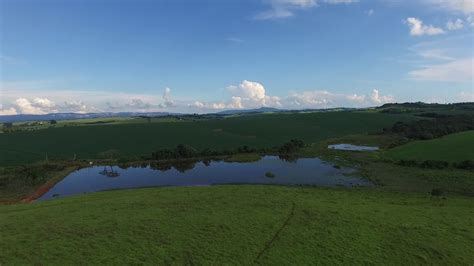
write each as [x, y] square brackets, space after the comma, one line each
[432, 128]
[183, 151]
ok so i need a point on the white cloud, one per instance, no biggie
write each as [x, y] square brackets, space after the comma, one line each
[435, 54]
[376, 98]
[326, 99]
[417, 28]
[249, 90]
[168, 102]
[253, 94]
[285, 8]
[38, 106]
[8, 111]
[235, 103]
[454, 25]
[466, 96]
[459, 70]
[143, 103]
[78, 107]
[370, 12]
[335, 2]
[470, 20]
[43, 103]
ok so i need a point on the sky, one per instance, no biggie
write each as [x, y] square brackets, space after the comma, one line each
[212, 55]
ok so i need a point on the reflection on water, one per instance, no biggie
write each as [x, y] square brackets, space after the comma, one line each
[284, 171]
[350, 147]
[109, 173]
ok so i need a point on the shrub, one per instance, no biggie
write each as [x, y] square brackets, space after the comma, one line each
[467, 165]
[292, 146]
[185, 151]
[269, 174]
[437, 192]
[432, 164]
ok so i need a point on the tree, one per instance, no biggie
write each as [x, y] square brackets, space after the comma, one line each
[53, 122]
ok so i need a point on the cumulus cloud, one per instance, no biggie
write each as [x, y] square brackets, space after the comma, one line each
[8, 111]
[134, 104]
[470, 20]
[78, 107]
[37, 106]
[234, 103]
[326, 99]
[335, 2]
[286, 8]
[465, 96]
[434, 54]
[459, 70]
[143, 104]
[248, 94]
[43, 103]
[455, 25]
[250, 90]
[376, 98]
[417, 28]
[167, 101]
[253, 94]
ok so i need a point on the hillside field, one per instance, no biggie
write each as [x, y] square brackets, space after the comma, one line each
[452, 148]
[240, 225]
[135, 139]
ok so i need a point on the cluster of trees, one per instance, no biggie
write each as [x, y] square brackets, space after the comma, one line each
[27, 175]
[432, 128]
[434, 164]
[183, 151]
[291, 147]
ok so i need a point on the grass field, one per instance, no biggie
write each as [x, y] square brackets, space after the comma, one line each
[240, 225]
[134, 139]
[453, 148]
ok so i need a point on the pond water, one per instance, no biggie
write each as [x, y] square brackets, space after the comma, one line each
[350, 147]
[268, 170]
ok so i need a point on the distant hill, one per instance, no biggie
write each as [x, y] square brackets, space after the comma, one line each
[71, 116]
[258, 110]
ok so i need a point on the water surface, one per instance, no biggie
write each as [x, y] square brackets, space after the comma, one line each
[351, 147]
[304, 171]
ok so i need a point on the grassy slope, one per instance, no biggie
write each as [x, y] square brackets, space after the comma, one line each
[234, 224]
[454, 148]
[141, 139]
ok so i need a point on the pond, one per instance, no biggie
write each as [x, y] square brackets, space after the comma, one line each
[350, 147]
[268, 170]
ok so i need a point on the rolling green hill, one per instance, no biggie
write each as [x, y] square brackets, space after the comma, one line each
[452, 148]
[131, 139]
[240, 225]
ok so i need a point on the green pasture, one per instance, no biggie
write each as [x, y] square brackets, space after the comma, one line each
[240, 225]
[452, 148]
[134, 139]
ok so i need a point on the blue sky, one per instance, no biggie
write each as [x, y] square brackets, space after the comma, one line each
[206, 56]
